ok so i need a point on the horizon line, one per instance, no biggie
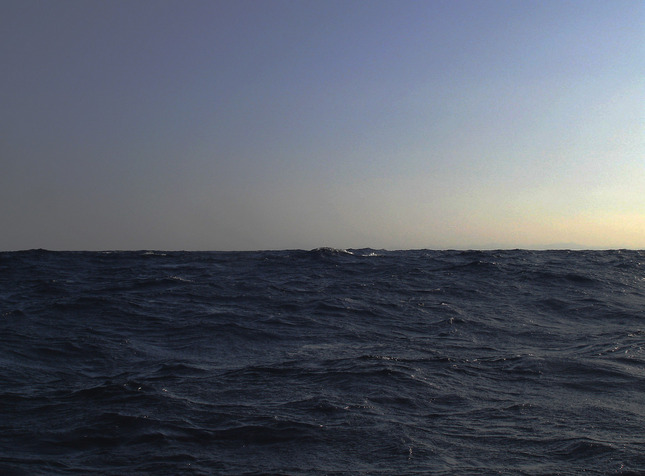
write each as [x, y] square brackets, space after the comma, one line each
[328, 248]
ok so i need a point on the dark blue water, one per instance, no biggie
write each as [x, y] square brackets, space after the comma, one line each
[322, 362]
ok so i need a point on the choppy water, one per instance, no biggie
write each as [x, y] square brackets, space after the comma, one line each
[322, 362]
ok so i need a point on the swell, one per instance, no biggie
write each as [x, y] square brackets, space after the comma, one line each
[313, 362]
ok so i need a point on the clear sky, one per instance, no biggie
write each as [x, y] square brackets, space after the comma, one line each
[269, 124]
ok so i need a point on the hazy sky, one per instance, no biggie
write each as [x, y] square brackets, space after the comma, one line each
[235, 125]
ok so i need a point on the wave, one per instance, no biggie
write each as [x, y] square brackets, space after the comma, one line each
[313, 362]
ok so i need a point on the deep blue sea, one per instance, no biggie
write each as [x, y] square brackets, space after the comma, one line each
[322, 362]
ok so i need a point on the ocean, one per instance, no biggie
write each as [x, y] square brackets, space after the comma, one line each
[322, 362]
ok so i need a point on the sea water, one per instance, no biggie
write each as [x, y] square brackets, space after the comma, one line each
[322, 362]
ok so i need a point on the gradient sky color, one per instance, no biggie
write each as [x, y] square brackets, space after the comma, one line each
[241, 125]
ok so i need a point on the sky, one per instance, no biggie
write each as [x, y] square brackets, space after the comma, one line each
[271, 124]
